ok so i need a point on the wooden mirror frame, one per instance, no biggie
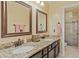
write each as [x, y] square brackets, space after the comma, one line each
[4, 20]
[38, 11]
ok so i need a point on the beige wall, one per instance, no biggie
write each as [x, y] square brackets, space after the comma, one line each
[10, 39]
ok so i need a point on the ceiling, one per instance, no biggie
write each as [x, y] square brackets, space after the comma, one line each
[64, 3]
[59, 2]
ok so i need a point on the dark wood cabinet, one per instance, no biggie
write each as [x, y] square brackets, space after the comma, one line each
[57, 48]
[51, 51]
[51, 54]
[45, 52]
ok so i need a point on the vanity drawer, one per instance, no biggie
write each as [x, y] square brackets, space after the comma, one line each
[51, 54]
[50, 47]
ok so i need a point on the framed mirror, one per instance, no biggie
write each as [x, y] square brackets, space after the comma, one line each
[41, 22]
[16, 19]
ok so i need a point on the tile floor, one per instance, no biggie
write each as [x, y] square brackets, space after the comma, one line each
[71, 52]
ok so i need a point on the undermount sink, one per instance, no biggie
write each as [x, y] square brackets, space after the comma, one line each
[23, 49]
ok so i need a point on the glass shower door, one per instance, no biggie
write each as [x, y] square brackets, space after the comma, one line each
[71, 27]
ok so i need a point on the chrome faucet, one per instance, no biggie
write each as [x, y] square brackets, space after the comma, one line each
[18, 43]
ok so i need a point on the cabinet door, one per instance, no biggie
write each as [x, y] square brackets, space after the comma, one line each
[45, 51]
[50, 47]
[51, 54]
[54, 44]
[45, 56]
[57, 51]
[37, 55]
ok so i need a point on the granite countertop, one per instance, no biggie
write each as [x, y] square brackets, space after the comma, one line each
[7, 53]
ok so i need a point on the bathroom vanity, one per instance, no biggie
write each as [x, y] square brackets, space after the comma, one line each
[50, 51]
[45, 48]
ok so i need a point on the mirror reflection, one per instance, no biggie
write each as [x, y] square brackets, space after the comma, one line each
[41, 21]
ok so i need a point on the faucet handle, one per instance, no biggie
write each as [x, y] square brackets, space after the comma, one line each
[20, 42]
[14, 43]
[17, 43]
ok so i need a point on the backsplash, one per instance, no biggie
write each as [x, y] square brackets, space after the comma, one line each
[8, 43]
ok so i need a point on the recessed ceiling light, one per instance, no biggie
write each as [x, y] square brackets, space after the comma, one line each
[42, 4]
[38, 1]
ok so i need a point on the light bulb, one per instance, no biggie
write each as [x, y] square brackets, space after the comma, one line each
[42, 4]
